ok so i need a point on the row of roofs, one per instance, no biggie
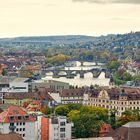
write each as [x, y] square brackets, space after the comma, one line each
[44, 93]
[40, 94]
[114, 93]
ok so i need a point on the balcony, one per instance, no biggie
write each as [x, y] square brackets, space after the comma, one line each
[12, 128]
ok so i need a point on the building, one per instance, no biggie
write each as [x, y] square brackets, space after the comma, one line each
[114, 98]
[17, 85]
[15, 119]
[72, 96]
[41, 95]
[52, 84]
[60, 128]
[129, 131]
[5, 80]
[55, 128]
[16, 98]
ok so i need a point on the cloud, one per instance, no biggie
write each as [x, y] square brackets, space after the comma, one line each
[109, 1]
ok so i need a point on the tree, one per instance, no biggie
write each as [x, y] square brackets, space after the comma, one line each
[113, 118]
[126, 76]
[113, 65]
[62, 110]
[4, 72]
[136, 79]
[47, 110]
[128, 116]
[87, 121]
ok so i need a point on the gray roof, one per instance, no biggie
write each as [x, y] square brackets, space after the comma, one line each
[132, 125]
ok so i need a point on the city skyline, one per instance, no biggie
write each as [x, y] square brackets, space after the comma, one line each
[68, 17]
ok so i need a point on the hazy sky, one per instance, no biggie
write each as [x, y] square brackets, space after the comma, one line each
[63, 17]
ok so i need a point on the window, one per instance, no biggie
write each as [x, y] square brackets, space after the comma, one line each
[20, 123]
[62, 129]
[11, 118]
[62, 123]
[20, 129]
[17, 129]
[23, 135]
[17, 123]
[23, 129]
[55, 128]
[26, 117]
[62, 135]
[23, 123]
[11, 124]
[19, 117]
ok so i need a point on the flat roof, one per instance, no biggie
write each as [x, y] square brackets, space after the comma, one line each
[19, 80]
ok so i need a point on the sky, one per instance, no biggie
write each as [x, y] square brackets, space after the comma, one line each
[68, 17]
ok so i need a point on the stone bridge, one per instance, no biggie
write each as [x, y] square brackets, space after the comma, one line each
[72, 73]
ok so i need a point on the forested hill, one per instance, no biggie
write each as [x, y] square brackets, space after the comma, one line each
[113, 40]
[65, 39]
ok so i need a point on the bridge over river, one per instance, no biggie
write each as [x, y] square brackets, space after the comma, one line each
[69, 73]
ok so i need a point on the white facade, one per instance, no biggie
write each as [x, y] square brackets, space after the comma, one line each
[55, 96]
[28, 130]
[59, 128]
[72, 99]
[16, 87]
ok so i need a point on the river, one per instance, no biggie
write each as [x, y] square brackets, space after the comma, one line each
[88, 77]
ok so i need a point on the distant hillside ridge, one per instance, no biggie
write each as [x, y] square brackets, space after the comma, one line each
[108, 41]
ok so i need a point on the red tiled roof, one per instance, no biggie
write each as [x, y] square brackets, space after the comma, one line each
[15, 111]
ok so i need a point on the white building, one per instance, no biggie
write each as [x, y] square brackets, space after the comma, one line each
[17, 85]
[60, 128]
[15, 119]
[120, 99]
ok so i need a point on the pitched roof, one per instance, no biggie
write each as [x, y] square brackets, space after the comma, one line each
[72, 93]
[6, 79]
[129, 131]
[114, 93]
[42, 94]
[17, 96]
[16, 113]
[10, 136]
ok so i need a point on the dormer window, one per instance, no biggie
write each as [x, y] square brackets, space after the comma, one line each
[11, 118]
[26, 117]
[19, 117]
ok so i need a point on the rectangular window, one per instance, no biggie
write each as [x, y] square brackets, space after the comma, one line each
[62, 129]
[62, 135]
[11, 124]
[19, 117]
[62, 123]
